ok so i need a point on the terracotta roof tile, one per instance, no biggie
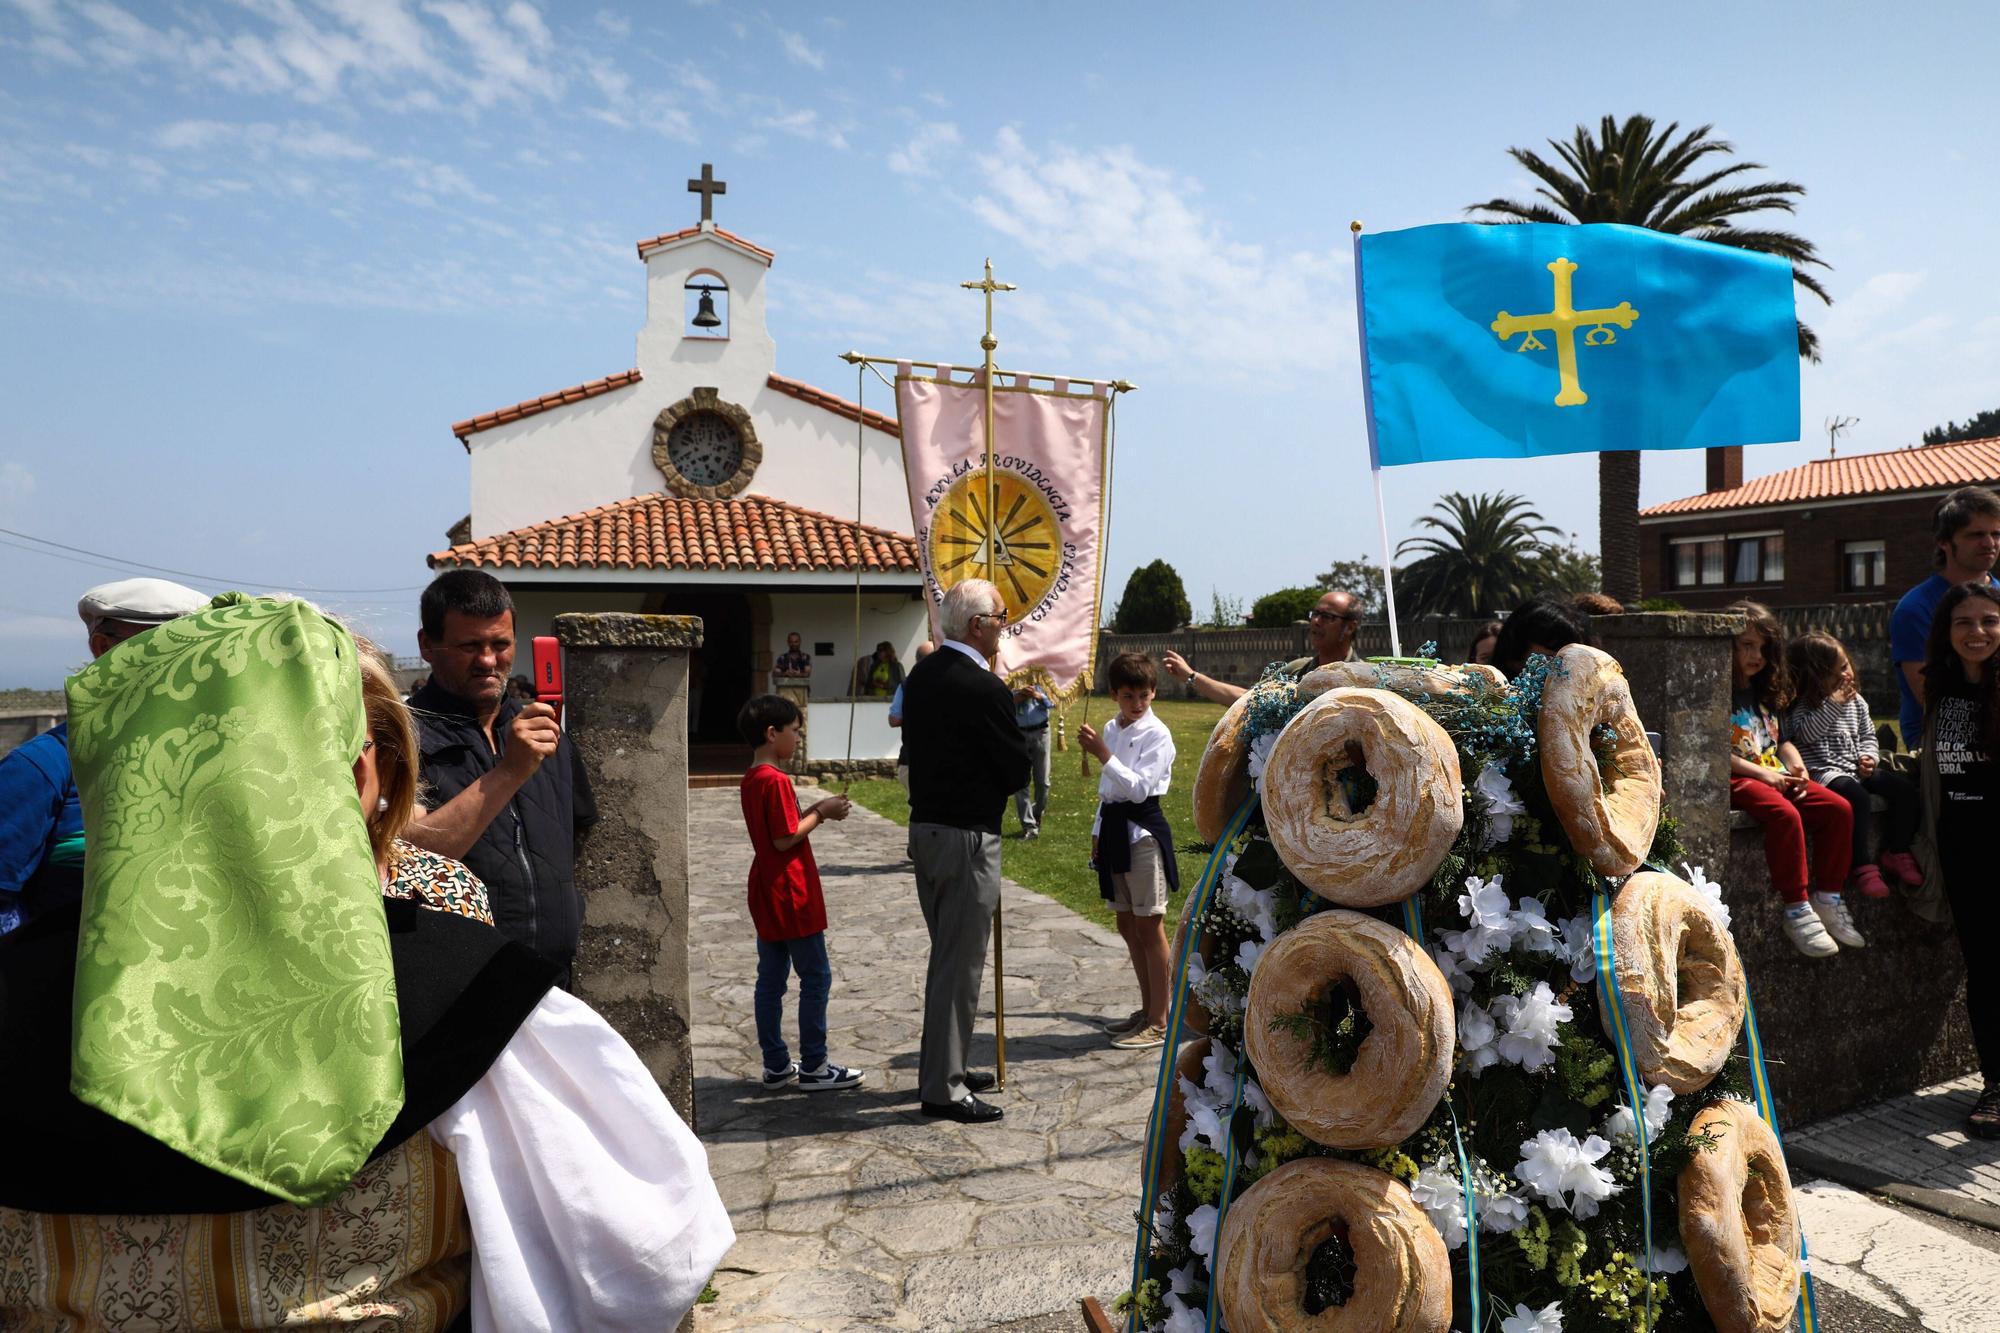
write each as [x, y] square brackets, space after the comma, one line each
[561, 397]
[833, 402]
[1917, 468]
[664, 532]
[652, 243]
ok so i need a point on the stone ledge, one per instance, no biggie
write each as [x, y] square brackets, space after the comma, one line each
[1666, 625]
[619, 629]
[846, 770]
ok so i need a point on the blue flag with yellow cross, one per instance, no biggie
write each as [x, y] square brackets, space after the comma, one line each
[1517, 340]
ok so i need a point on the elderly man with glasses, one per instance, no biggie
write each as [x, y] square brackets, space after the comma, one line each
[1334, 621]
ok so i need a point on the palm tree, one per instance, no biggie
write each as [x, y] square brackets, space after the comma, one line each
[1485, 559]
[1632, 173]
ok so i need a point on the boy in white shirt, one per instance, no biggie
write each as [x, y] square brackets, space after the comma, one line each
[1131, 843]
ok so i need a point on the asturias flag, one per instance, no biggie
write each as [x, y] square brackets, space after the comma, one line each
[1516, 340]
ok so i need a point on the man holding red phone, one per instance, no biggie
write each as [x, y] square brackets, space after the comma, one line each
[511, 793]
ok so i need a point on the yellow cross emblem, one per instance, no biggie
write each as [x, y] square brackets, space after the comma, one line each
[1563, 321]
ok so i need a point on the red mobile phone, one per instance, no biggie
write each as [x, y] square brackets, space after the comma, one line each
[548, 672]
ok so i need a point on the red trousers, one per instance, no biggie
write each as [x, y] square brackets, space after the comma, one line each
[1820, 813]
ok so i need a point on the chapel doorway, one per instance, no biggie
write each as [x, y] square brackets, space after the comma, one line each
[719, 675]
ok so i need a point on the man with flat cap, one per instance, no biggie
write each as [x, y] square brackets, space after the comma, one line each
[41, 818]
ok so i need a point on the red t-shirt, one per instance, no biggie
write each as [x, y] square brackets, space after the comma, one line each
[785, 901]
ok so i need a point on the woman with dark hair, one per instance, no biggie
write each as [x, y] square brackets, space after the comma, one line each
[1539, 625]
[1484, 639]
[1961, 788]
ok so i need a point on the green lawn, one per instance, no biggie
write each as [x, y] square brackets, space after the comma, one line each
[1058, 863]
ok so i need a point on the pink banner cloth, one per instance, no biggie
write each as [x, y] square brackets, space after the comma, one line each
[1048, 453]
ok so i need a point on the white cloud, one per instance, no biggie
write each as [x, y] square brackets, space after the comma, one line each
[615, 24]
[508, 54]
[800, 53]
[16, 485]
[918, 157]
[805, 124]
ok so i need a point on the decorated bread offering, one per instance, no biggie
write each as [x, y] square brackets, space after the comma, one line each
[1413, 1072]
[1223, 779]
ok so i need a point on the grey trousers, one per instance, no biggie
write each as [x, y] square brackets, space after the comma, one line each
[958, 888]
[1033, 798]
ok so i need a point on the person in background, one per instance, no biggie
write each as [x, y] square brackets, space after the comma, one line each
[1768, 781]
[1131, 842]
[1334, 621]
[896, 720]
[879, 676]
[1966, 534]
[1830, 726]
[1960, 772]
[1541, 624]
[794, 666]
[520, 687]
[1484, 640]
[1031, 715]
[512, 792]
[41, 818]
[787, 906]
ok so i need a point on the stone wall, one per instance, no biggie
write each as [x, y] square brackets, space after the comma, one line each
[626, 711]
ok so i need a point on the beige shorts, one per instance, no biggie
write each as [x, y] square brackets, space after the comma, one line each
[1142, 890]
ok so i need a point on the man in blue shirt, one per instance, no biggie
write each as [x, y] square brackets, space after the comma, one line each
[1031, 715]
[41, 817]
[1967, 532]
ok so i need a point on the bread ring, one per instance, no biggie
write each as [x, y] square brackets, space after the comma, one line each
[1194, 1014]
[1680, 979]
[1402, 1273]
[1223, 780]
[1187, 1065]
[1404, 1063]
[1401, 678]
[1388, 850]
[1610, 812]
[1741, 1230]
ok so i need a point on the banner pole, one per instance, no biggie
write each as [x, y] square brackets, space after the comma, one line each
[1374, 458]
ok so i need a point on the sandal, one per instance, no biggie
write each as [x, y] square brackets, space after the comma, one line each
[1984, 1122]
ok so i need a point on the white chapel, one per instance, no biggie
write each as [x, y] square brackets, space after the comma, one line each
[702, 482]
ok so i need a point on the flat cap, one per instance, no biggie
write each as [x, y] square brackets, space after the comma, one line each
[138, 602]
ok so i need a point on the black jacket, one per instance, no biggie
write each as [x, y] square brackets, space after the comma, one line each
[966, 754]
[527, 855]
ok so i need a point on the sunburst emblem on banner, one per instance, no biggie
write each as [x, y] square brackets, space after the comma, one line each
[1027, 547]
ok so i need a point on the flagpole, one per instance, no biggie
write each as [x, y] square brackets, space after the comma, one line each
[1374, 458]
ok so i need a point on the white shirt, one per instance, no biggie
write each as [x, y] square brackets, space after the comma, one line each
[590, 1200]
[970, 652]
[1141, 765]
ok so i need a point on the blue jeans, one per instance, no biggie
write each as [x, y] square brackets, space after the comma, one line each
[776, 961]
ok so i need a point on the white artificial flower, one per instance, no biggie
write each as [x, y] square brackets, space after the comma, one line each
[1204, 1117]
[1500, 1211]
[1532, 929]
[1201, 1222]
[1491, 930]
[1501, 804]
[1565, 1173]
[1180, 1281]
[1711, 892]
[1665, 1260]
[1260, 755]
[1579, 949]
[1476, 1035]
[1548, 1319]
[1197, 970]
[1453, 968]
[1659, 1098]
[1247, 954]
[1257, 907]
[1163, 1220]
[1531, 1021]
[1442, 1197]
[1254, 1098]
[1184, 1318]
[1219, 1069]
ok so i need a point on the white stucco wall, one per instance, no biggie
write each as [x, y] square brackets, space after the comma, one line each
[874, 738]
[599, 451]
[830, 618]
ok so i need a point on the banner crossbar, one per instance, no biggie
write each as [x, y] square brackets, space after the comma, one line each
[858, 359]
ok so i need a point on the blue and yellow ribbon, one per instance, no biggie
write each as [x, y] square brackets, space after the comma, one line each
[1628, 1070]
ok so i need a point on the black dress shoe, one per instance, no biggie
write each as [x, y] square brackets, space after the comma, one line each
[967, 1110]
[977, 1082]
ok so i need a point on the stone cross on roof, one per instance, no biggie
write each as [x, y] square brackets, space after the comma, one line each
[708, 187]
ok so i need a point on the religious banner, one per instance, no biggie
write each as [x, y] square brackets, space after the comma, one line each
[1039, 538]
[1518, 340]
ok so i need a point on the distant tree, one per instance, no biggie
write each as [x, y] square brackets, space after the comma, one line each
[1286, 606]
[1982, 427]
[1486, 557]
[1223, 612]
[1361, 577]
[1155, 601]
[1566, 569]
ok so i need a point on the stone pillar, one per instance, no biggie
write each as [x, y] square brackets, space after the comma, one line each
[625, 706]
[1678, 665]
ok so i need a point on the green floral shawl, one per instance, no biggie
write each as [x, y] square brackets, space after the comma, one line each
[235, 997]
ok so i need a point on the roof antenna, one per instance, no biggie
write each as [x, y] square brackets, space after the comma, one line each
[1834, 427]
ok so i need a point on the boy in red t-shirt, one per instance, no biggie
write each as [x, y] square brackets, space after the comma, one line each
[785, 902]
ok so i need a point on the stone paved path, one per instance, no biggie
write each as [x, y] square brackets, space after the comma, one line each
[851, 1209]
[1918, 1140]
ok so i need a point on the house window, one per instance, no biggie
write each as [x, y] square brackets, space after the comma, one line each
[1864, 565]
[1757, 557]
[1750, 559]
[1698, 561]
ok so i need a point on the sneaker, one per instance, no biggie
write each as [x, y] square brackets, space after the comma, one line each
[1141, 1039]
[1132, 1022]
[1984, 1122]
[1808, 936]
[830, 1078]
[782, 1078]
[1832, 914]
[1869, 880]
[1904, 867]
[1031, 835]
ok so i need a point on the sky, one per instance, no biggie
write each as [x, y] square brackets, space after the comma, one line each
[256, 257]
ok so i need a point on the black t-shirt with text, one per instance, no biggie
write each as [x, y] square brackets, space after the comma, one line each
[1967, 775]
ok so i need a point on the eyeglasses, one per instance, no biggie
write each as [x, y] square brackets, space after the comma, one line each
[1328, 617]
[1000, 615]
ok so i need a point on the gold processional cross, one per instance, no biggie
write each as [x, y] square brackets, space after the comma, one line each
[1563, 321]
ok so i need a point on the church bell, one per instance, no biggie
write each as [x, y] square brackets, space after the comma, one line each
[704, 314]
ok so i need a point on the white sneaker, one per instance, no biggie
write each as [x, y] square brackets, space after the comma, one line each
[1833, 914]
[1808, 936]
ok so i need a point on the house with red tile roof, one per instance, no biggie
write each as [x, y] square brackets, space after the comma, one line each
[700, 481]
[1854, 529]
